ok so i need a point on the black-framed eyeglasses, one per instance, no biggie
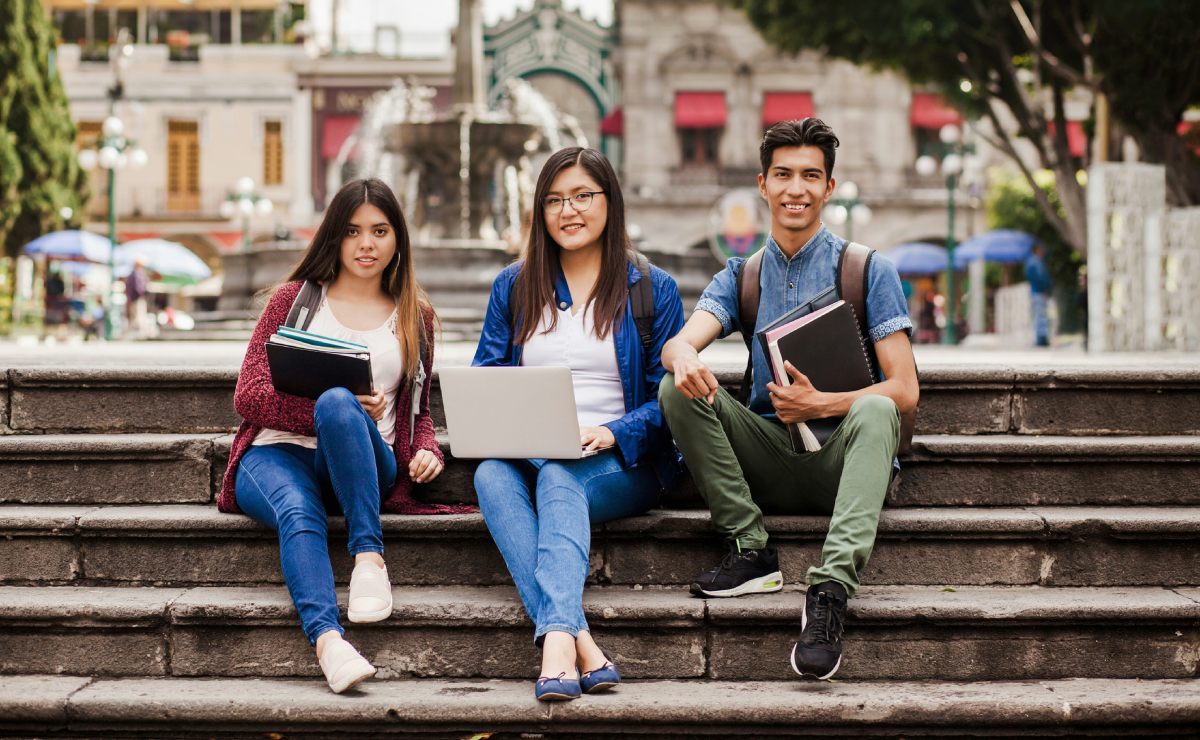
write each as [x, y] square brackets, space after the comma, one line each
[579, 201]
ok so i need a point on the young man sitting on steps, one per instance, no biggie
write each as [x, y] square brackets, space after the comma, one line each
[741, 458]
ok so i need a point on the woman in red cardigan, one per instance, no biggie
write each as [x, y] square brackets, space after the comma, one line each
[295, 460]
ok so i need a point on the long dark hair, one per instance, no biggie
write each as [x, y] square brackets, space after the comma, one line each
[322, 262]
[533, 290]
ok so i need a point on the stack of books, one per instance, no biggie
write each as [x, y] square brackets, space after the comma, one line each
[826, 347]
[306, 364]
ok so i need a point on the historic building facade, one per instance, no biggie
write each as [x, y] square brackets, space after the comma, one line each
[698, 87]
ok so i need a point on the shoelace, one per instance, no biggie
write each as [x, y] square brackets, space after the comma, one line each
[727, 562]
[825, 621]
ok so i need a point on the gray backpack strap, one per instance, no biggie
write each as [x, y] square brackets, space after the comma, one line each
[641, 299]
[307, 300]
[749, 290]
[418, 386]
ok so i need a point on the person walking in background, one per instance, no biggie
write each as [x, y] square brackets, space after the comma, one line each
[137, 283]
[56, 316]
[1040, 285]
[567, 303]
[295, 460]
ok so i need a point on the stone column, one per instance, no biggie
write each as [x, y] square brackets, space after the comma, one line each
[1126, 205]
[1181, 280]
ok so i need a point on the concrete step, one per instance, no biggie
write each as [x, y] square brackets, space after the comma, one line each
[189, 544]
[943, 470]
[1153, 400]
[183, 707]
[906, 632]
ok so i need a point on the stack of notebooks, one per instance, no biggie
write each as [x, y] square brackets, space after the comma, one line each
[824, 345]
[306, 364]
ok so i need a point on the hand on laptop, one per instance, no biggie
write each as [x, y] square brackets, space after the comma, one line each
[424, 467]
[596, 438]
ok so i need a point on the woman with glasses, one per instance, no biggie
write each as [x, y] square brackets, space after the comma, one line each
[566, 303]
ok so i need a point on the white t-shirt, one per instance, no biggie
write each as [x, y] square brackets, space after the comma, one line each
[599, 396]
[386, 366]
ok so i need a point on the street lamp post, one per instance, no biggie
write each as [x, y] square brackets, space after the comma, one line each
[243, 200]
[848, 208]
[950, 166]
[111, 152]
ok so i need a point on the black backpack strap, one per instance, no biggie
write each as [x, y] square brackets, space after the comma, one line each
[300, 315]
[749, 291]
[641, 298]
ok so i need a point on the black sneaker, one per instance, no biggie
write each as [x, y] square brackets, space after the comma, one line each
[741, 572]
[818, 654]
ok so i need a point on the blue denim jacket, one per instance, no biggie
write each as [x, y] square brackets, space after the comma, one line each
[789, 283]
[642, 432]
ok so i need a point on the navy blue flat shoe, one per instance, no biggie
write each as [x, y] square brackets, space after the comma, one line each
[559, 688]
[601, 679]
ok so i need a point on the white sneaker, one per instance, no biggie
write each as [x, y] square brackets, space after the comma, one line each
[370, 593]
[343, 667]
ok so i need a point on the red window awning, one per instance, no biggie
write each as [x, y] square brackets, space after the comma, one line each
[1076, 138]
[614, 123]
[228, 241]
[700, 109]
[786, 106]
[1190, 132]
[930, 111]
[334, 132]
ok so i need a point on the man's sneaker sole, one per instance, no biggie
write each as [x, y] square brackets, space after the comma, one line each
[767, 584]
[807, 674]
[810, 674]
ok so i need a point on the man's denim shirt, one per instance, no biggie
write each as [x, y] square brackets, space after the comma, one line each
[789, 283]
[642, 432]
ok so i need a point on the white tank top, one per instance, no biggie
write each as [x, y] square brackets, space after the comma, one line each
[386, 366]
[599, 396]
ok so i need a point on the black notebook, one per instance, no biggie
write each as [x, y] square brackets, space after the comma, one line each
[306, 364]
[824, 345]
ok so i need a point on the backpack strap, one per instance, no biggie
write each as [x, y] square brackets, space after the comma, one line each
[853, 270]
[300, 315]
[641, 299]
[418, 383]
[749, 290]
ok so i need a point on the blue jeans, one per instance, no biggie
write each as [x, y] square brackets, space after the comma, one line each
[545, 537]
[292, 489]
[1039, 302]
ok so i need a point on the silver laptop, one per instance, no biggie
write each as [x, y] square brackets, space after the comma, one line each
[511, 412]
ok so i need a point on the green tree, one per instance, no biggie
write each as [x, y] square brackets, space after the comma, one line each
[38, 171]
[1022, 58]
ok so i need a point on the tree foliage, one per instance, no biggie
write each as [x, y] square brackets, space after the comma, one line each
[1023, 58]
[38, 171]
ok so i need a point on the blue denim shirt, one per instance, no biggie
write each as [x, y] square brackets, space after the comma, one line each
[788, 283]
[642, 432]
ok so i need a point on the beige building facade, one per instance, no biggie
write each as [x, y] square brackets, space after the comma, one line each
[698, 87]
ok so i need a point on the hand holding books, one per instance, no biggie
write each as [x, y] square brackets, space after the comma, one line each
[826, 353]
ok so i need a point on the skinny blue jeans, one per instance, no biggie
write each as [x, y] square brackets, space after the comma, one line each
[293, 489]
[540, 513]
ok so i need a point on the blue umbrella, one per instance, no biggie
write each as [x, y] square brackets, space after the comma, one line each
[917, 258]
[173, 262]
[70, 245]
[998, 245]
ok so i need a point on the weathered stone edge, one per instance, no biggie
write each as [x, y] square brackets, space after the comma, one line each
[283, 704]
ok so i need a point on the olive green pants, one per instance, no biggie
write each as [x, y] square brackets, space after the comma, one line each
[743, 464]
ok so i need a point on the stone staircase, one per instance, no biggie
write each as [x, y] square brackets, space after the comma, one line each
[1037, 572]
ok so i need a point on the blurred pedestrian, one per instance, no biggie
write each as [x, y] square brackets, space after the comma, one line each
[56, 314]
[1038, 276]
[137, 283]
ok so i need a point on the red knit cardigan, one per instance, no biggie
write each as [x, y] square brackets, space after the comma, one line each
[260, 405]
